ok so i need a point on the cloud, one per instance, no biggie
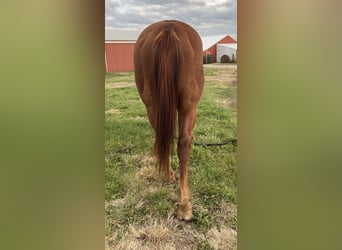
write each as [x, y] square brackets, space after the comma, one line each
[210, 17]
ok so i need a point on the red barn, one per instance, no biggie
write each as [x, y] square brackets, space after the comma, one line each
[210, 49]
[119, 49]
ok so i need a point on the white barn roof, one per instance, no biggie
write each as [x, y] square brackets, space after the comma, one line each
[209, 41]
[229, 45]
[121, 35]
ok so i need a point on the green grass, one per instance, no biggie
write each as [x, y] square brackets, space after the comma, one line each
[210, 72]
[119, 77]
[128, 142]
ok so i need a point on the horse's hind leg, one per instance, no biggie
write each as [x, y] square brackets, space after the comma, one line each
[186, 122]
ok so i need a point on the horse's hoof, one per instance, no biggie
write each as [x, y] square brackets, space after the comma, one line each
[184, 212]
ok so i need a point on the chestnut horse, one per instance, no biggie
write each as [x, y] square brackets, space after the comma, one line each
[169, 77]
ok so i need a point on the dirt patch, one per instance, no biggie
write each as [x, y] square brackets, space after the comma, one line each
[226, 73]
[220, 66]
[159, 234]
[113, 112]
[116, 203]
[231, 103]
[224, 238]
[148, 171]
[153, 236]
[172, 234]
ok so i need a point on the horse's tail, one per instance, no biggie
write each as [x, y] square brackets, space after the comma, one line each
[166, 61]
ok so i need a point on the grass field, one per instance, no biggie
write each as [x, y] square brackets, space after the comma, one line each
[139, 205]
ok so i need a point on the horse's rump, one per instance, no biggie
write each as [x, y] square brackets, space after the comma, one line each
[161, 50]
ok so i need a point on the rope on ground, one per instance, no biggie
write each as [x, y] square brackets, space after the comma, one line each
[230, 141]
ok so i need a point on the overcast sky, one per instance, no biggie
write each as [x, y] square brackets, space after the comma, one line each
[209, 17]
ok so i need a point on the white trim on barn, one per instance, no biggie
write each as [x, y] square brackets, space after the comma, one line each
[228, 49]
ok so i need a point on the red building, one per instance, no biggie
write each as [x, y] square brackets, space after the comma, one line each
[211, 49]
[119, 49]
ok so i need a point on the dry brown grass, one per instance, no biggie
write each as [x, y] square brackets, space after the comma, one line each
[169, 233]
[172, 234]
